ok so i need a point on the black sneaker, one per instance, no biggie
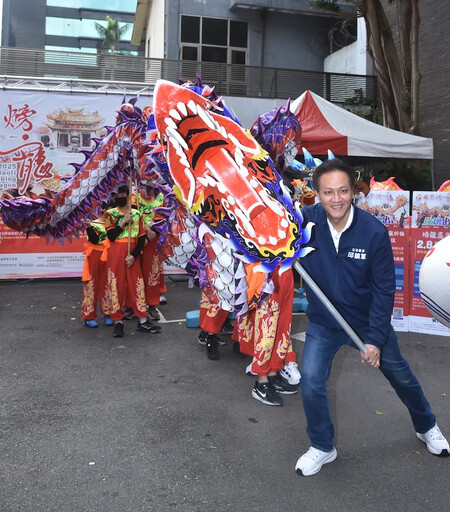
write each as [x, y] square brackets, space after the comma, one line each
[212, 350]
[202, 337]
[266, 393]
[153, 313]
[118, 330]
[128, 313]
[148, 327]
[227, 327]
[282, 386]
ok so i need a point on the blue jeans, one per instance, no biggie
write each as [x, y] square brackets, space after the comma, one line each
[321, 345]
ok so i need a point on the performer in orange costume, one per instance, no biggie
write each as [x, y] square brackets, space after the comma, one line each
[93, 276]
[212, 320]
[124, 281]
[265, 334]
[150, 261]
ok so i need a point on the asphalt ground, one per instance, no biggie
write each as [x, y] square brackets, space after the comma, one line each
[92, 423]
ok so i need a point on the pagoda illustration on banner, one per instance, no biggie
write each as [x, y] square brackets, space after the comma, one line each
[72, 129]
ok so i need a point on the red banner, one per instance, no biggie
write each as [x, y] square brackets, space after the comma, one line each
[430, 223]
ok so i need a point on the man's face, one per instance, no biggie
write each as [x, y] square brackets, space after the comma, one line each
[336, 195]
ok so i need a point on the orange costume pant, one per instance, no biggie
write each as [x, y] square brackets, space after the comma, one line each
[152, 271]
[93, 283]
[212, 317]
[265, 332]
[124, 285]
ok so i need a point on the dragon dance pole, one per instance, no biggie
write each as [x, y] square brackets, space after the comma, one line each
[326, 302]
[129, 210]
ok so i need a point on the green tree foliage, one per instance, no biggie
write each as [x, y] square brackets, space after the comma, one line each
[111, 34]
[393, 43]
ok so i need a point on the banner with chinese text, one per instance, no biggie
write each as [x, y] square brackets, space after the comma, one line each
[391, 207]
[42, 134]
[430, 223]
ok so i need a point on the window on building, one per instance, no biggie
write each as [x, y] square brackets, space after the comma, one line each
[213, 40]
[190, 29]
[238, 34]
[189, 53]
[104, 5]
[215, 31]
[78, 28]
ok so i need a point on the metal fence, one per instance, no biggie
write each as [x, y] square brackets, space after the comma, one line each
[228, 79]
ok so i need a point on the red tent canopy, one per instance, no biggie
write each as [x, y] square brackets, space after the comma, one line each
[327, 126]
[318, 136]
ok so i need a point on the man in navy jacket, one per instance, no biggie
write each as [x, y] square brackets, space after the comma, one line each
[353, 264]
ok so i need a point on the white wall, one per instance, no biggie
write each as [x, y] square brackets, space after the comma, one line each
[155, 31]
[353, 59]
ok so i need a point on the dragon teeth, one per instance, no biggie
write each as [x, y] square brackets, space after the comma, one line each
[203, 181]
[221, 188]
[239, 158]
[192, 107]
[206, 118]
[182, 108]
[183, 161]
[174, 135]
[175, 114]
[190, 177]
[170, 123]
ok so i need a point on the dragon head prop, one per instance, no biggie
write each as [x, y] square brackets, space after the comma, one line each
[224, 177]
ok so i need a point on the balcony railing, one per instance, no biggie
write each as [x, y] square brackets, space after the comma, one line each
[228, 79]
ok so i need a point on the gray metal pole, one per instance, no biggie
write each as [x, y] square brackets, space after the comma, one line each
[326, 302]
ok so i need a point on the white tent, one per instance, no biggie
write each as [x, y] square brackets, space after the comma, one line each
[327, 126]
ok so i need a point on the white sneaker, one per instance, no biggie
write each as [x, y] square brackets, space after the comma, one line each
[312, 461]
[248, 370]
[290, 373]
[435, 441]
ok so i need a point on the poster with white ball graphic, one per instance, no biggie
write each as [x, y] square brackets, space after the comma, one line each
[430, 262]
[434, 281]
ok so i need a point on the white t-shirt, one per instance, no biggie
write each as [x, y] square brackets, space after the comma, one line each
[336, 235]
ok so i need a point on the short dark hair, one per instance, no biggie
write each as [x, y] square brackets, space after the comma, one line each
[123, 188]
[335, 164]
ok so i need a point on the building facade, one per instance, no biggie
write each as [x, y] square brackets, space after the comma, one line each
[65, 25]
[289, 34]
[434, 65]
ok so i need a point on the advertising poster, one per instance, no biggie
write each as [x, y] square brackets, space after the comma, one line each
[41, 134]
[391, 207]
[430, 223]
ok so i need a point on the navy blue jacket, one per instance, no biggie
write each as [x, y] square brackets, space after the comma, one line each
[359, 279]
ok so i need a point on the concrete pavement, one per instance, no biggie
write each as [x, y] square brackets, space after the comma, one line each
[92, 423]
